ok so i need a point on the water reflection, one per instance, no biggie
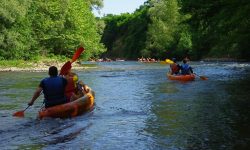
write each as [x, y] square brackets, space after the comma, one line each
[198, 116]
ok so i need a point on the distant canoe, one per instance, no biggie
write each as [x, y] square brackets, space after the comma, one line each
[119, 60]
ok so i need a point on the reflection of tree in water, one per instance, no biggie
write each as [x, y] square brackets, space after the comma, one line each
[223, 118]
[215, 117]
[239, 112]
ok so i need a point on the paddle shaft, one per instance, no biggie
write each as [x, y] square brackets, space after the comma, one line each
[201, 77]
[67, 66]
[26, 108]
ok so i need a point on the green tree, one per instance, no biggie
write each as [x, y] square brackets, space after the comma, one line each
[125, 35]
[167, 34]
[61, 26]
[15, 37]
[29, 28]
[220, 27]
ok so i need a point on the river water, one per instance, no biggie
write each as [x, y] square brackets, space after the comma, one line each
[136, 107]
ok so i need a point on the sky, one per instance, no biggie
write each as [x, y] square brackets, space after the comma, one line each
[117, 7]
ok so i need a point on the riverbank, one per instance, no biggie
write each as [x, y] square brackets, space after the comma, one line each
[225, 59]
[41, 66]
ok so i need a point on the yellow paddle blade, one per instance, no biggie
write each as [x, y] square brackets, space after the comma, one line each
[169, 61]
[163, 62]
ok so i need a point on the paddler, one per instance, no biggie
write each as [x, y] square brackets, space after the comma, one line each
[53, 88]
[186, 68]
[175, 67]
[71, 87]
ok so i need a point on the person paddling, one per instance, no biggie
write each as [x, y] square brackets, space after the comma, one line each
[81, 90]
[70, 88]
[185, 68]
[53, 88]
[175, 67]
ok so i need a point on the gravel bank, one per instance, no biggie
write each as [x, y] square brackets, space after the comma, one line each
[41, 67]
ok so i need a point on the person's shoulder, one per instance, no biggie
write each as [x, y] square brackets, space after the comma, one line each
[63, 79]
[44, 79]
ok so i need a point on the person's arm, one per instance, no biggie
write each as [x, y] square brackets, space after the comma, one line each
[179, 66]
[35, 95]
[191, 69]
[85, 89]
[170, 68]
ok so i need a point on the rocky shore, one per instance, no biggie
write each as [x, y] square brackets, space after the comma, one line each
[41, 67]
[225, 59]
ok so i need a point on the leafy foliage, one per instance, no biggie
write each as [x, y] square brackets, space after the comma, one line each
[162, 32]
[29, 28]
[15, 39]
[159, 28]
[180, 28]
[125, 35]
[220, 28]
[154, 30]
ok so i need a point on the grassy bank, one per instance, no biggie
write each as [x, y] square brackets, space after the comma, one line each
[33, 62]
[14, 63]
[38, 64]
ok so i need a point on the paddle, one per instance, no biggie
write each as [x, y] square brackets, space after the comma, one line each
[20, 113]
[167, 61]
[201, 77]
[67, 66]
[77, 54]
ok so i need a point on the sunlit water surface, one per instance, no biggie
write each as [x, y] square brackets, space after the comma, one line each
[136, 107]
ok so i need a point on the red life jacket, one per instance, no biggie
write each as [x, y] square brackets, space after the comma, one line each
[70, 88]
[174, 68]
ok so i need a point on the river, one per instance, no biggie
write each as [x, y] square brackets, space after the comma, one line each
[136, 107]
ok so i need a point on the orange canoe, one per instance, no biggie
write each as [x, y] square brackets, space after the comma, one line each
[72, 109]
[190, 77]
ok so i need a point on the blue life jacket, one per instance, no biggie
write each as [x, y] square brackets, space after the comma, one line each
[185, 69]
[53, 89]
